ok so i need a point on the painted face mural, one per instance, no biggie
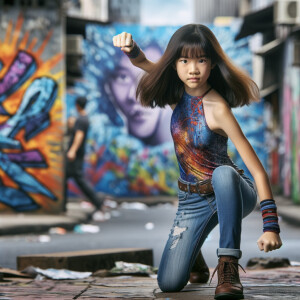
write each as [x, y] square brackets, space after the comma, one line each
[150, 125]
[30, 119]
[130, 148]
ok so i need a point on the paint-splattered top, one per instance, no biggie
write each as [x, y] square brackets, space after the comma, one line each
[199, 150]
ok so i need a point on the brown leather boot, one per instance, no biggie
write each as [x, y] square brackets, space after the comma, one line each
[200, 271]
[229, 284]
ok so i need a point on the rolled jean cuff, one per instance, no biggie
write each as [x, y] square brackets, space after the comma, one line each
[237, 253]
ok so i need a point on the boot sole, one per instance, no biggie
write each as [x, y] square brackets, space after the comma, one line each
[229, 296]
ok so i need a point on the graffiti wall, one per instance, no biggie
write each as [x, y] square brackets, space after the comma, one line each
[31, 111]
[291, 126]
[130, 150]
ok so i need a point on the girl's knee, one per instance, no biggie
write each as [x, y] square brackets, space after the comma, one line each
[170, 284]
[171, 287]
[224, 175]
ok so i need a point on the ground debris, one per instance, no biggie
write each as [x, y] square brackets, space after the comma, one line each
[258, 263]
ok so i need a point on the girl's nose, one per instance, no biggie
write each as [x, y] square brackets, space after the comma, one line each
[193, 69]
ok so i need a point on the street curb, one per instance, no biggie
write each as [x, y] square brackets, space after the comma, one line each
[32, 228]
[22, 223]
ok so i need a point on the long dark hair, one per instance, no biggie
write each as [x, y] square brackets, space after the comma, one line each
[162, 85]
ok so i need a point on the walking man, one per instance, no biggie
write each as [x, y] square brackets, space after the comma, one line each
[75, 156]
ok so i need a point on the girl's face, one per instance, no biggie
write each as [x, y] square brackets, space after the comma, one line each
[194, 72]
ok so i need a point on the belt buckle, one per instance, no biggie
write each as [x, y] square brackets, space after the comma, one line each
[203, 182]
[197, 188]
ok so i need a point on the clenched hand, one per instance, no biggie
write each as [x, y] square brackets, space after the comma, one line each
[124, 41]
[269, 241]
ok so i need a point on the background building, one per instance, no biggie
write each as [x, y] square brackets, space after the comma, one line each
[275, 45]
[63, 49]
[207, 11]
[125, 11]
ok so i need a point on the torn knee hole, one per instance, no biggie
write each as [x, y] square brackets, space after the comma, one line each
[177, 232]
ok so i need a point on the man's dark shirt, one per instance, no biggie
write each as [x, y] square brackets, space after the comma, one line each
[82, 124]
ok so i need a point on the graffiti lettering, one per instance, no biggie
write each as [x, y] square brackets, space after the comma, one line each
[28, 183]
[33, 115]
[34, 108]
[28, 92]
[17, 199]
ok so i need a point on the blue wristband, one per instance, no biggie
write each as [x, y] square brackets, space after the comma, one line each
[269, 213]
[134, 53]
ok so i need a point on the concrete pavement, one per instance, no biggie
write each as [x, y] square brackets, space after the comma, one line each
[275, 284]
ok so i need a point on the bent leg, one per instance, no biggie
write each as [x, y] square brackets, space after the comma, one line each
[235, 198]
[192, 224]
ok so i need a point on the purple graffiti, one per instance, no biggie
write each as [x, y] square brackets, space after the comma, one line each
[27, 159]
[26, 181]
[19, 71]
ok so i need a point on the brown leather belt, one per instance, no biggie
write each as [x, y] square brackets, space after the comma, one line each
[203, 187]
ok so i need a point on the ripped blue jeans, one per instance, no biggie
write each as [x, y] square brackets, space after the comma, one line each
[234, 198]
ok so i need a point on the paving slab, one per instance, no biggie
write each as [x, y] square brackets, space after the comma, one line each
[44, 289]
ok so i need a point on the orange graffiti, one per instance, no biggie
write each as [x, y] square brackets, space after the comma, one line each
[49, 141]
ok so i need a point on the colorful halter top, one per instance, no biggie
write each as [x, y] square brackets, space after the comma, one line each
[199, 150]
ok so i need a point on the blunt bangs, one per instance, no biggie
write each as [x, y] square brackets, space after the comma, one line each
[194, 47]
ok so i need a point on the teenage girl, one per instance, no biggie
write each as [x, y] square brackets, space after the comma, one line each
[200, 83]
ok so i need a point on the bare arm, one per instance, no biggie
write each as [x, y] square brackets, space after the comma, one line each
[125, 42]
[78, 138]
[226, 121]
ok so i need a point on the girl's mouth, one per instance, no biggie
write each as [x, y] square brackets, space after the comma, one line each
[194, 79]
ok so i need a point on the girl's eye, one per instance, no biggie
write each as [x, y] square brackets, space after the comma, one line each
[202, 61]
[184, 61]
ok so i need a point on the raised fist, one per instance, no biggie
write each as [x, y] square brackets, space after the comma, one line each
[124, 41]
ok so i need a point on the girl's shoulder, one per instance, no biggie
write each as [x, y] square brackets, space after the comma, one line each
[215, 101]
[216, 109]
[215, 106]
